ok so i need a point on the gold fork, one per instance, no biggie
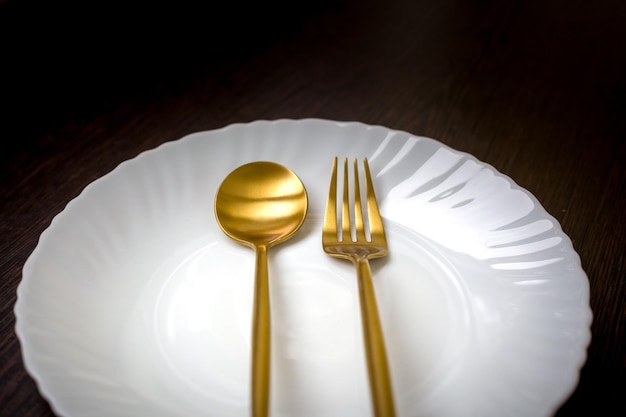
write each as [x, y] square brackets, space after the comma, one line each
[358, 243]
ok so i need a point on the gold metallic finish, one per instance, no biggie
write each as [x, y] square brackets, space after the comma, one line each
[259, 205]
[360, 239]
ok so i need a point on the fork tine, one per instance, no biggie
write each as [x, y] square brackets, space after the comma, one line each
[358, 211]
[345, 212]
[377, 231]
[330, 218]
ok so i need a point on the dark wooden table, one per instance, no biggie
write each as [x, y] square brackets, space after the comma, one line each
[535, 88]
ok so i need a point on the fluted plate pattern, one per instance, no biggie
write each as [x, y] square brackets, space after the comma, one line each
[134, 303]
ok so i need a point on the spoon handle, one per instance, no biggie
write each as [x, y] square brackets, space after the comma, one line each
[261, 334]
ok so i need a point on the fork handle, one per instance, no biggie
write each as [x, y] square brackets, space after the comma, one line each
[375, 352]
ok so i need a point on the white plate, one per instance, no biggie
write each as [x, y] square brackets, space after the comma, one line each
[134, 303]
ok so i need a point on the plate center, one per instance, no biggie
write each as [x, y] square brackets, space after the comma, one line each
[203, 306]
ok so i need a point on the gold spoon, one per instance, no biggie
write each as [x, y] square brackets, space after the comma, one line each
[259, 205]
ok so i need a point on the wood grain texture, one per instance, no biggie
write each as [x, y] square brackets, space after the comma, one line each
[535, 88]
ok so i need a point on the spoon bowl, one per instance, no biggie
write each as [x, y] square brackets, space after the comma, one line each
[259, 205]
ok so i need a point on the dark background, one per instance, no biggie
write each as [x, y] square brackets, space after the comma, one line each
[535, 88]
